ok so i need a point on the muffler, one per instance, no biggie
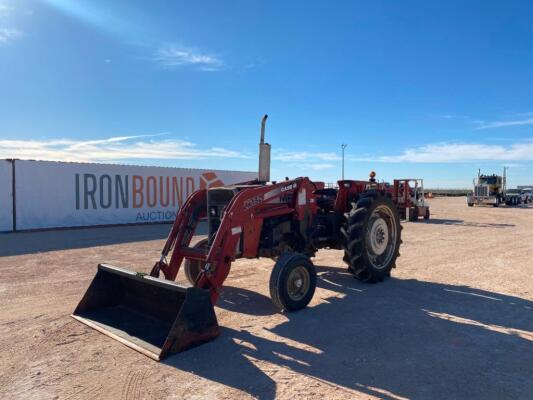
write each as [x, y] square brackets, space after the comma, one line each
[264, 154]
[153, 316]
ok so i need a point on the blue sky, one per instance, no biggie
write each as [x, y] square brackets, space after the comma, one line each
[416, 88]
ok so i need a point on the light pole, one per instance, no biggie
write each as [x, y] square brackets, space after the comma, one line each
[343, 146]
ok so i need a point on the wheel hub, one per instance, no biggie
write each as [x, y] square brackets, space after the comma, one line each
[298, 283]
[379, 236]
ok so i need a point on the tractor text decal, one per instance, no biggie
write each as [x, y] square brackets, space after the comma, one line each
[290, 187]
[252, 202]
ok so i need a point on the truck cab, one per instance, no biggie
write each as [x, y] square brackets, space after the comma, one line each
[488, 190]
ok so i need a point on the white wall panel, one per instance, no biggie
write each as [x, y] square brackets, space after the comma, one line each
[57, 194]
[6, 199]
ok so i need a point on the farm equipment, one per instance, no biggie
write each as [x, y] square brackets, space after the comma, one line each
[492, 190]
[287, 221]
[410, 199]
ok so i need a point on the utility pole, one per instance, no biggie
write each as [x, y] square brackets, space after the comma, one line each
[343, 146]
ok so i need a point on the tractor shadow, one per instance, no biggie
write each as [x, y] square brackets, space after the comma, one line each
[18, 243]
[398, 339]
[245, 301]
[460, 222]
[28, 242]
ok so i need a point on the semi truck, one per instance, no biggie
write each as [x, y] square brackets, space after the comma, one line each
[492, 190]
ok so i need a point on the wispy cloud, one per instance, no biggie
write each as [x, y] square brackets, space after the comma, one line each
[513, 165]
[112, 149]
[97, 16]
[172, 56]
[455, 117]
[459, 118]
[5, 8]
[460, 152]
[7, 35]
[304, 156]
[311, 166]
[501, 124]
[145, 38]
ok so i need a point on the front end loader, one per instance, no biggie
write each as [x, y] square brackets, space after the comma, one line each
[286, 221]
[153, 316]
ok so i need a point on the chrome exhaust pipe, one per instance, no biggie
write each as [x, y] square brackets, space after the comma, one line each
[264, 155]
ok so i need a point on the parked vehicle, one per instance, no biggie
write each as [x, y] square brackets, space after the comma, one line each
[408, 194]
[492, 190]
[515, 197]
[528, 195]
[287, 221]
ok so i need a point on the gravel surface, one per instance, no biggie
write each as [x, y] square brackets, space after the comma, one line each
[455, 321]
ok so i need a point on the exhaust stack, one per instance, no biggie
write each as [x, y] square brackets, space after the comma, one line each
[264, 155]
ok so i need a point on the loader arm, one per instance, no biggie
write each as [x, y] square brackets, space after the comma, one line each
[181, 234]
[242, 220]
[247, 208]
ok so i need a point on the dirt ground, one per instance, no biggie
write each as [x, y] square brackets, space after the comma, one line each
[455, 321]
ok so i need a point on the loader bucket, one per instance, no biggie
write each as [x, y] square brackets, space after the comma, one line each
[153, 316]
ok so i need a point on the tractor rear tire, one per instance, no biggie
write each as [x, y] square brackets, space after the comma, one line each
[192, 268]
[292, 282]
[372, 234]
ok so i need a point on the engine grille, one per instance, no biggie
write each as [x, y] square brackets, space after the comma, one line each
[481, 191]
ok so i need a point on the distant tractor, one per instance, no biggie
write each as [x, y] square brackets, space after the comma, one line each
[492, 190]
[408, 194]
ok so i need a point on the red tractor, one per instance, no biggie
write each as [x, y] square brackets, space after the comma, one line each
[287, 221]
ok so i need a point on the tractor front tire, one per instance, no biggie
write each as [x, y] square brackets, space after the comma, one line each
[372, 234]
[192, 268]
[292, 281]
[427, 214]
